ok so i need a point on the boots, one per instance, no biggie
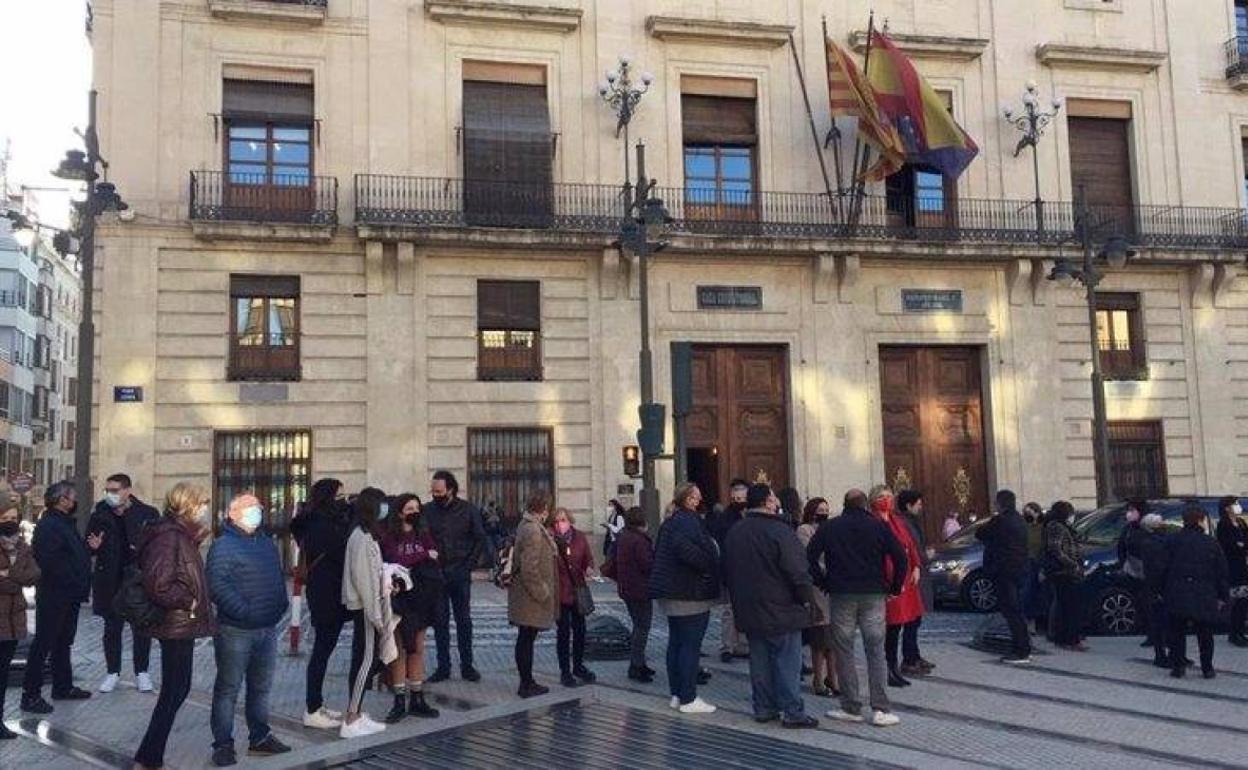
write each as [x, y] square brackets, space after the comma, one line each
[895, 679]
[399, 710]
[417, 707]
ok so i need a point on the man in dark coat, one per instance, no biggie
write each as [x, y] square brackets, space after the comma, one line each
[113, 537]
[1149, 546]
[459, 531]
[772, 594]
[1196, 590]
[64, 584]
[720, 523]
[1005, 562]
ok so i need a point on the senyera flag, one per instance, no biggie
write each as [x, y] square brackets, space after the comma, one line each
[851, 96]
[931, 136]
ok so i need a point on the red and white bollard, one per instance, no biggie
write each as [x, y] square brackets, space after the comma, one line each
[296, 608]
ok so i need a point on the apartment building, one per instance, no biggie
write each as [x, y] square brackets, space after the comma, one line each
[373, 239]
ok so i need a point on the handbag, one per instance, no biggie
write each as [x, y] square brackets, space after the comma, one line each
[584, 598]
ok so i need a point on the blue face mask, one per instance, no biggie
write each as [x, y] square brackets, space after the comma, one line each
[383, 511]
[253, 517]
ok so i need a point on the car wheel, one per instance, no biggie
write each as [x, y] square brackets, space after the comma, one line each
[979, 593]
[1117, 613]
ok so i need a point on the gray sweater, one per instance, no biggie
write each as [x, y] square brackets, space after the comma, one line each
[361, 583]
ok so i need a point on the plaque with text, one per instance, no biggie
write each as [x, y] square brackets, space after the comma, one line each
[931, 300]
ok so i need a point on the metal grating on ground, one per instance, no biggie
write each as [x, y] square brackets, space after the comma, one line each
[599, 735]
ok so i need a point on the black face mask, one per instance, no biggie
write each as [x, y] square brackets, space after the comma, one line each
[9, 528]
[442, 499]
[411, 518]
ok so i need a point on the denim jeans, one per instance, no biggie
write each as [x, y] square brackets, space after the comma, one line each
[243, 653]
[176, 658]
[56, 625]
[684, 644]
[457, 601]
[865, 613]
[776, 676]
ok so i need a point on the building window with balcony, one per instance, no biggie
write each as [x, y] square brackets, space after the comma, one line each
[273, 465]
[719, 125]
[506, 464]
[269, 149]
[1120, 336]
[71, 392]
[1137, 459]
[264, 327]
[508, 146]
[1099, 133]
[509, 330]
[920, 196]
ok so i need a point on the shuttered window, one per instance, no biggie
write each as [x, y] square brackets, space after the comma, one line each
[1137, 458]
[268, 129]
[1100, 165]
[720, 157]
[505, 465]
[264, 327]
[508, 155]
[273, 465]
[509, 330]
[1120, 336]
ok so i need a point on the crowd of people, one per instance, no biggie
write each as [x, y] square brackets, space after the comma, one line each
[789, 579]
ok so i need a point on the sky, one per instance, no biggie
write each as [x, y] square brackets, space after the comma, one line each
[45, 72]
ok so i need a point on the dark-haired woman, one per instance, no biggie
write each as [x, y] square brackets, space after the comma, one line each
[1063, 570]
[790, 506]
[363, 595]
[1233, 537]
[408, 543]
[1196, 588]
[634, 557]
[18, 571]
[819, 636]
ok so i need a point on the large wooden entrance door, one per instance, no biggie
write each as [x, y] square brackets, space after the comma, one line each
[932, 404]
[739, 425]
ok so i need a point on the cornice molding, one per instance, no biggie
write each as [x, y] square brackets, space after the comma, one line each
[1100, 57]
[929, 46]
[677, 29]
[547, 18]
[270, 11]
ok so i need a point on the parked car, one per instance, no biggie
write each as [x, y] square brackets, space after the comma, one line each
[957, 572]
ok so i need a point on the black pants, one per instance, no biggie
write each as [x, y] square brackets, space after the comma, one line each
[1066, 616]
[176, 661]
[7, 648]
[1239, 614]
[56, 624]
[1011, 609]
[1157, 626]
[570, 632]
[905, 634]
[363, 651]
[323, 645]
[641, 613]
[457, 594]
[524, 652]
[113, 626]
[1178, 641]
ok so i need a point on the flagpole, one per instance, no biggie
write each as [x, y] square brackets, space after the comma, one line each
[858, 182]
[810, 116]
[835, 132]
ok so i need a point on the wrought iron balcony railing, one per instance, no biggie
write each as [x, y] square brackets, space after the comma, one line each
[218, 196]
[439, 202]
[1236, 56]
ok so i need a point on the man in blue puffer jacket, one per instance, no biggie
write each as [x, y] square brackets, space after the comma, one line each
[247, 585]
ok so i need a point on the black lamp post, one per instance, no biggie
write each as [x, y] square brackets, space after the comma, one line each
[1115, 250]
[622, 95]
[1032, 122]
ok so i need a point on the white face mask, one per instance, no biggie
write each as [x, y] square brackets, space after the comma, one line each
[1237, 509]
[113, 499]
[1070, 519]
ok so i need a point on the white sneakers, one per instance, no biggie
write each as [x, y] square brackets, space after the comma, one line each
[144, 682]
[110, 683]
[697, 706]
[878, 718]
[360, 727]
[322, 719]
[675, 702]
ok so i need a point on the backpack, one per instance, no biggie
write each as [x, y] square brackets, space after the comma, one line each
[132, 604]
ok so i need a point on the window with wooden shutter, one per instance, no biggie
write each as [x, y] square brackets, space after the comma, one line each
[268, 144]
[509, 330]
[264, 327]
[1137, 458]
[505, 465]
[508, 154]
[1100, 160]
[720, 134]
[1120, 336]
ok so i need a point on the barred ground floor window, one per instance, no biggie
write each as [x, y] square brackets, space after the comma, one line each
[274, 465]
[1137, 458]
[506, 464]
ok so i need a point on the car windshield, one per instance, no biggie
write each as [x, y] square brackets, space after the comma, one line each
[965, 536]
[1102, 526]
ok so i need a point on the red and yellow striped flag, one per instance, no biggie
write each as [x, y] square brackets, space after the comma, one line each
[851, 95]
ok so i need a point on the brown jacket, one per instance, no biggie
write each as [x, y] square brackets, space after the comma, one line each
[173, 576]
[22, 571]
[533, 598]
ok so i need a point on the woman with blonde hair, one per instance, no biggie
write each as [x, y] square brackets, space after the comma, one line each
[174, 581]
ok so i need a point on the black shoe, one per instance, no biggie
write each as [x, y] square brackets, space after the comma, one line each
[73, 693]
[807, 670]
[567, 680]
[897, 680]
[1188, 662]
[36, 705]
[469, 674]
[1146, 643]
[584, 674]
[531, 690]
[398, 710]
[1208, 673]
[223, 756]
[800, 724]
[649, 671]
[1239, 641]
[6, 734]
[440, 674]
[704, 676]
[763, 719]
[268, 747]
[417, 707]
[1161, 661]
[639, 675]
[1178, 671]
[725, 656]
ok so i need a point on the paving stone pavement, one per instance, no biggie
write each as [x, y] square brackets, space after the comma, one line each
[1104, 709]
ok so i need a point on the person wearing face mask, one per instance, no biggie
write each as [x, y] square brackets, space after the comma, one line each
[819, 635]
[1005, 561]
[575, 563]
[634, 558]
[459, 532]
[719, 523]
[1197, 589]
[18, 571]
[174, 580]
[906, 607]
[1132, 565]
[1232, 535]
[1063, 569]
[112, 536]
[249, 590]
[64, 584]
[406, 541]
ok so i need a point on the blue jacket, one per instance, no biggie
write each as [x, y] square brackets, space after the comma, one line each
[63, 559]
[686, 560]
[245, 579]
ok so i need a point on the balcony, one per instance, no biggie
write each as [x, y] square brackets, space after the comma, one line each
[298, 11]
[389, 202]
[1237, 62]
[263, 206]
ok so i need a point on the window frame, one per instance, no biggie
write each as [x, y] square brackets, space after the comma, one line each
[478, 486]
[262, 461]
[269, 363]
[508, 363]
[1120, 444]
[1123, 365]
[268, 125]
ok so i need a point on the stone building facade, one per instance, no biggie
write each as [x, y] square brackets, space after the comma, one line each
[309, 287]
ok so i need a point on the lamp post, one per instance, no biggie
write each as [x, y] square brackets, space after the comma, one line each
[1032, 121]
[1115, 251]
[622, 95]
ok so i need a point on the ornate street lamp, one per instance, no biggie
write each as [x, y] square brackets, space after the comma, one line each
[622, 95]
[1116, 251]
[1032, 121]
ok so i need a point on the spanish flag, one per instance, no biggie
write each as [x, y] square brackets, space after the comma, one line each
[851, 95]
[929, 133]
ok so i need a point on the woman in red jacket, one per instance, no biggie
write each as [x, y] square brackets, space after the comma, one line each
[574, 564]
[907, 606]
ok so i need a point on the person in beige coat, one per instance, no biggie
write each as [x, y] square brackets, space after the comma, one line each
[533, 594]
